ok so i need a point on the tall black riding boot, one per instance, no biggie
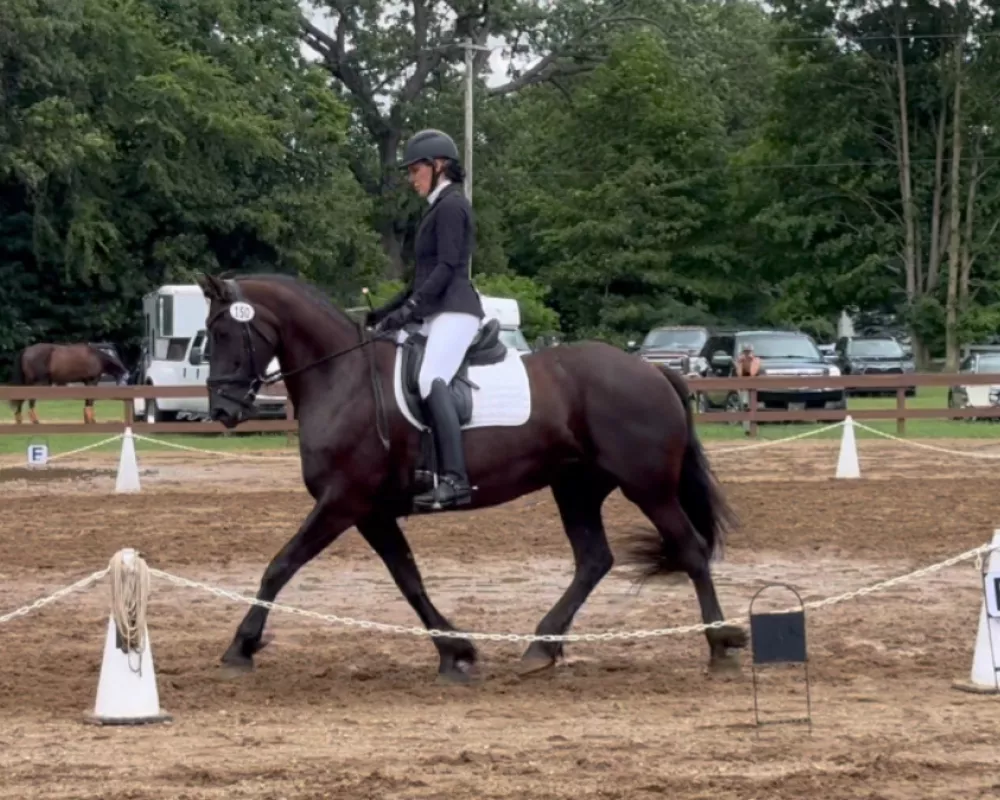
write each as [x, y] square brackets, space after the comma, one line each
[453, 483]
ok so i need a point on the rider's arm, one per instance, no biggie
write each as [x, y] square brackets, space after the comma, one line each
[450, 229]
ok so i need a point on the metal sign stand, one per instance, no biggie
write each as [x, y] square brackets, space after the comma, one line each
[779, 638]
[991, 595]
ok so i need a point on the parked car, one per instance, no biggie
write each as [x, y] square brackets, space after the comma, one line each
[874, 355]
[976, 396]
[672, 345]
[785, 353]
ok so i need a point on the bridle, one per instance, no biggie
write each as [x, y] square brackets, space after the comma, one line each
[254, 377]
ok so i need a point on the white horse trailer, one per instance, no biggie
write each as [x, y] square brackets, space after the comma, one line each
[508, 313]
[175, 353]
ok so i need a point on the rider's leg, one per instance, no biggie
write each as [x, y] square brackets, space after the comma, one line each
[448, 338]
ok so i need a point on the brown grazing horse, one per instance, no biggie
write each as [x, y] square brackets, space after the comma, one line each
[46, 364]
[600, 420]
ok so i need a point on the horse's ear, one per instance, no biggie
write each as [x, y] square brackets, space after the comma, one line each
[213, 288]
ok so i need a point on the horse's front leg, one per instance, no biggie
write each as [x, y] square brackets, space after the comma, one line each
[330, 517]
[31, 411]
[382, 532]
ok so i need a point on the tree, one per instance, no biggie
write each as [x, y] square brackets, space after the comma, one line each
[897, 97]
[617, 186]
[388, 60]
[142, 141]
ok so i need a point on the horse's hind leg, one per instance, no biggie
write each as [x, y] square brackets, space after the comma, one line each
[31, 411]
[579, 494]
[17, 405]
[688, 552]
[381, 531]
[88, 404]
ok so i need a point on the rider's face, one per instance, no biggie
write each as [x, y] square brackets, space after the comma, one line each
[421, 175]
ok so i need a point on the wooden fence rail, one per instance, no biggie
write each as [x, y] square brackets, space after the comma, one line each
[900, 383]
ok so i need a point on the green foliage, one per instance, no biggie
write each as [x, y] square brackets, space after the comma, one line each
[674, 162]
[142, 142]
[537, 319]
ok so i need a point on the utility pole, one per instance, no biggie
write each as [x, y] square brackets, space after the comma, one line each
[470, 47]
[470, 78]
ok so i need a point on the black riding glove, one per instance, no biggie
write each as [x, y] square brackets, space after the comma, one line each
[399, 317]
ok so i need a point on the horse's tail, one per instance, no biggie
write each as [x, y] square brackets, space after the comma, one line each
[698, 492]
[17, 375]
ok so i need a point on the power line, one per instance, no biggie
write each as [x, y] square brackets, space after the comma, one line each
[888, 162]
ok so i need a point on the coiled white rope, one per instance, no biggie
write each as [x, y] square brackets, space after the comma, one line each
[130, 582]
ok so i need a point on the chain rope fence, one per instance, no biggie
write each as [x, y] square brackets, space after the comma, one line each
[975, 553]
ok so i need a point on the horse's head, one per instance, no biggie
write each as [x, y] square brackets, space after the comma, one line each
[243, 338]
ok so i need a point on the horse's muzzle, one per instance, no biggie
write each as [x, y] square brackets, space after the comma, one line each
[229, 418]
[229, 409]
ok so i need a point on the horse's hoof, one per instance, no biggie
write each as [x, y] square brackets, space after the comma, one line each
[728, 664]
[532, 664]
[236, 666]
[462, 672]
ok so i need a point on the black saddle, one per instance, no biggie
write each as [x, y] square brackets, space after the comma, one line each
[485, 349]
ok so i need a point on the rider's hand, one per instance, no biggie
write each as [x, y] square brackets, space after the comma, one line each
[396, 319]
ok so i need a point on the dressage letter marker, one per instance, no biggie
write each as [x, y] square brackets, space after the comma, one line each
[985, 675]
[38, 455]
[779, 638]
[241, 312]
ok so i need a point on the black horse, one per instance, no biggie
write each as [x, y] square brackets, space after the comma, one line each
[600, 420]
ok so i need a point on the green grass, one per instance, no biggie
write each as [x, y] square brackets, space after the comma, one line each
[107, 411]
[926, 397]
[112, 411]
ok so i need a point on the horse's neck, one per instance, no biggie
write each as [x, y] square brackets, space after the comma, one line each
[307, 342]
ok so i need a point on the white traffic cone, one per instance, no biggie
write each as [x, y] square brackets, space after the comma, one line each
[126, 689]
[985, 675]
[128, 468]
[847, 461]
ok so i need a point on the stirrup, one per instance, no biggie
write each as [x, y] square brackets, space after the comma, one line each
[449, 493]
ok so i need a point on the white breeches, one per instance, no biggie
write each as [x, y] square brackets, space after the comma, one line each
[449, 335]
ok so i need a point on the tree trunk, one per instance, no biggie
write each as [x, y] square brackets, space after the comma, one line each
[390, 227]
[954, 220]
[901, 126]
[934, 255]
[970, 206]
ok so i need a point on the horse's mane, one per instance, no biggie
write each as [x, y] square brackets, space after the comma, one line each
[305, 288]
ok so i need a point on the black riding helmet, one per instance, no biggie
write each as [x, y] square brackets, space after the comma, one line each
[427, 145]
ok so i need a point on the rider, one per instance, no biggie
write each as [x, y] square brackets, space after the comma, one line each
[440, 295]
